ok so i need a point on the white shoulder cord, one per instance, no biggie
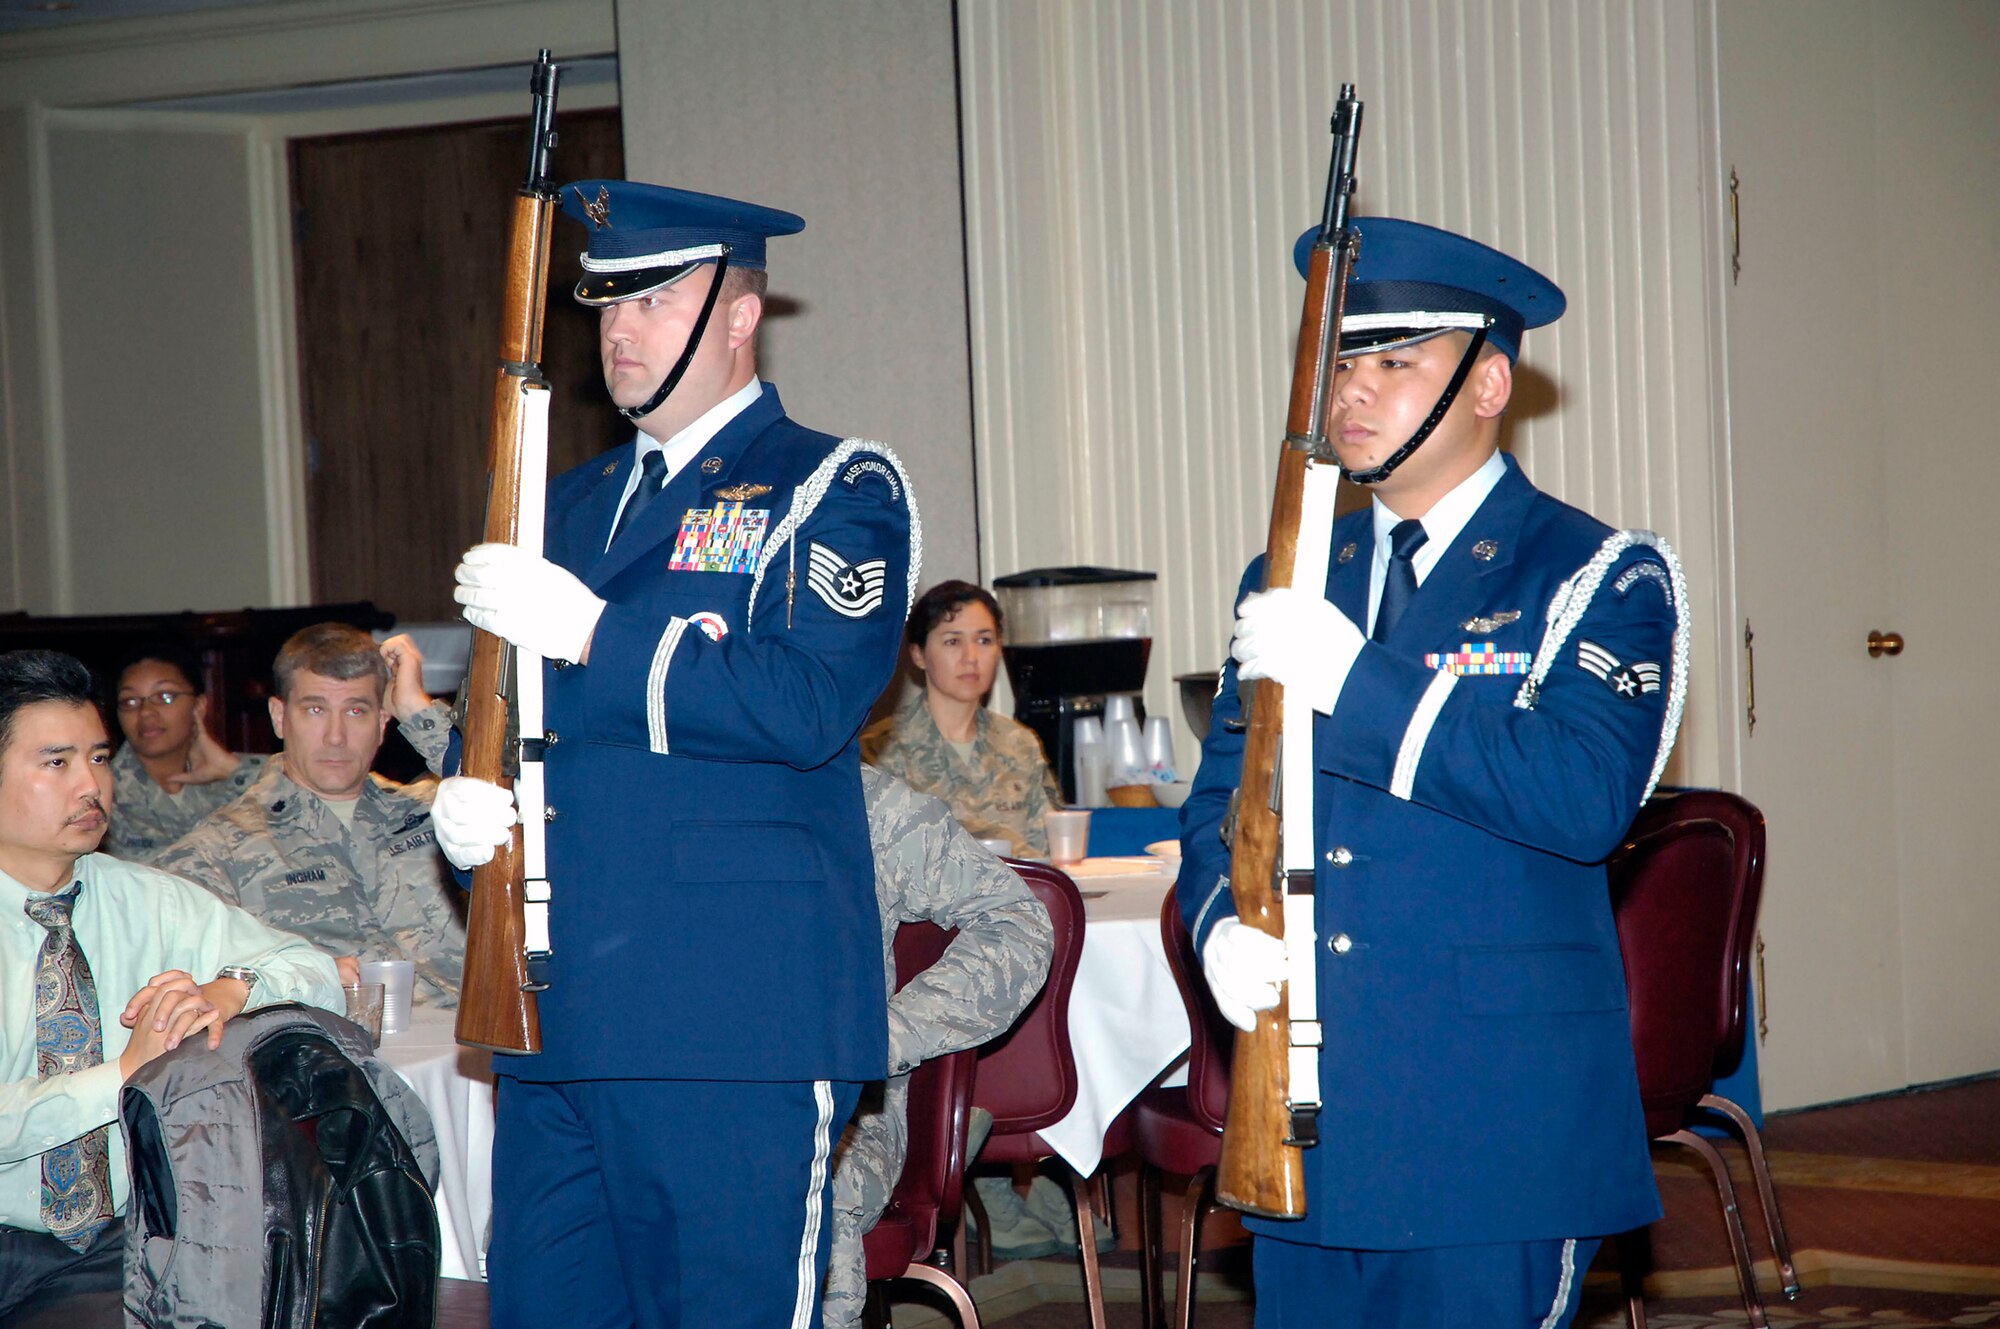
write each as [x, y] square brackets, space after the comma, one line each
[807, 497]
[1566, 610]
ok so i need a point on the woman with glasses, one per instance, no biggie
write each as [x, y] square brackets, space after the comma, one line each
[170, 773]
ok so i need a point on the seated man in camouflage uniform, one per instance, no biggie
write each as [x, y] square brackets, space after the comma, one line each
[170, 773]
[927, 868]
[322, 847]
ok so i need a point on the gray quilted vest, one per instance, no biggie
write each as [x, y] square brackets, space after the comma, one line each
[282, 1180]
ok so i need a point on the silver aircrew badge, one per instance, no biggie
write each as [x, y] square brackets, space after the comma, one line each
[1347, 552]
[1485, 550]
[711, 465]
[1491, 624]
[742, 493]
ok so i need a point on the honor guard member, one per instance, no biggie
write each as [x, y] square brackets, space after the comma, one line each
[322, 846]
[928, 869]
[170, 773]
[720, 606]
[1496, 679]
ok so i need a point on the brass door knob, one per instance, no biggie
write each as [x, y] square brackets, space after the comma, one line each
[1885, 643]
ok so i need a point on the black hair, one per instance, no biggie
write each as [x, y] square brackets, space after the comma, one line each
[29, 677]
[943, 601]
[166, 651]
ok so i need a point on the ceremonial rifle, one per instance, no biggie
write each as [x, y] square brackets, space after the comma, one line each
[507, 930]
[1274, 1096]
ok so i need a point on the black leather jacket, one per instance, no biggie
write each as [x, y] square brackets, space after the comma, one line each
[348, 1235]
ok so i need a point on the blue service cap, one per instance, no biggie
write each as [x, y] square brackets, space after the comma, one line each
[1412, 282]
[644, 237]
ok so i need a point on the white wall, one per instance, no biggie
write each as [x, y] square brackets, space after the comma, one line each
[846, 114]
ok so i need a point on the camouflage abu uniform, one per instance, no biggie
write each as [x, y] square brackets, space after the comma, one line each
[927, 868]
[145, 818]
[381, 890]
[1003, 792]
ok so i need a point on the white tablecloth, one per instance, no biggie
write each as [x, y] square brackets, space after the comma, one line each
[456, 1084]
[1126, 1021]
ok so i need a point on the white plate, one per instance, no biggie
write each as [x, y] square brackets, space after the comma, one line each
[1164, 848]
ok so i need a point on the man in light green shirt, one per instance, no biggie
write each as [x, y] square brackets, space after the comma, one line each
[104, 965]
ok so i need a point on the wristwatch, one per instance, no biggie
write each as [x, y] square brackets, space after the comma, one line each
[242, 973]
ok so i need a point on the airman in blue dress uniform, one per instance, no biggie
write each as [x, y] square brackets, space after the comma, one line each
[721, 602]
[1496, 679]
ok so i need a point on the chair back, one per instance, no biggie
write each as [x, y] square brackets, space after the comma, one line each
[1212, 1039]
[1027, 1076]
[933, 1180]
[1685, 886]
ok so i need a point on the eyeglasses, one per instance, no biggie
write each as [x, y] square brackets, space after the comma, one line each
[166, 699]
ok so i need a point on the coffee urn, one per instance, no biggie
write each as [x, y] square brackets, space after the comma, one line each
[1073, 637]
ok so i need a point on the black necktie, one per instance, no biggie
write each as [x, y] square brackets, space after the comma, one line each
[652, 477]
[1400, 586]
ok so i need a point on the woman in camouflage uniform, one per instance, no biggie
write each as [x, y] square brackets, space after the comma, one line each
[943, 740]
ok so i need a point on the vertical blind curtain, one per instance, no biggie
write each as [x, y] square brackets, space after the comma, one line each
[1135, 173]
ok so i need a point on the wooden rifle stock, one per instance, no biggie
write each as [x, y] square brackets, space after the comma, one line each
[1262, 1170]
[497, 1007]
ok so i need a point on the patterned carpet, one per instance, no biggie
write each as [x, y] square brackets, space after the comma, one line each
[1893, 1206]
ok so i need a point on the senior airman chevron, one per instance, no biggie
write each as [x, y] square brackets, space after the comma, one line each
[1625, 680]
[852, 590]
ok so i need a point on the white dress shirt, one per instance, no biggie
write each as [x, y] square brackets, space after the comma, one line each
[680, 449]
[1442, 524]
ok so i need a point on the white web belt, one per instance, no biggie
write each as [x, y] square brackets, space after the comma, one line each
[530, 786]
[1301, 940]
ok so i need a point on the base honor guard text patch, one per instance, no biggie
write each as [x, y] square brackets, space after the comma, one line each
[852, 590]
[1623, 679]
[1480, 658]
[725, 538]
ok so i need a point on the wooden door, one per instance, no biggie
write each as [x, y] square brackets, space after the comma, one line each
[400, 252]
[1860, 342]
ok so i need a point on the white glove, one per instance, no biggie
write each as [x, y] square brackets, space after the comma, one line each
[527, 600]
[471, 818]
[1298, 640]
[1245, 968]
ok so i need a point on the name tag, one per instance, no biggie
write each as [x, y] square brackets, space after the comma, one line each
[1480, 658]
[725, 538]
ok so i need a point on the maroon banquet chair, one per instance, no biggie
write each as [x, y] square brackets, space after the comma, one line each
[928, 1194]
[1027, 1076]
[1685, 886]
[1178, 1130]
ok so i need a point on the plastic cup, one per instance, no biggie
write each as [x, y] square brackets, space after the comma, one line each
[1069, 834]
[1158, 741]
[397, 977]
[1125, 754]
[364, 1007]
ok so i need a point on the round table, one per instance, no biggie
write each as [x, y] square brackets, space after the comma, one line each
[456, 1084]
[1126, 1020]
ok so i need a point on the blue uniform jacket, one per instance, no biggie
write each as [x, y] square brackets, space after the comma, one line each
[1477, 1069]
[713, 911]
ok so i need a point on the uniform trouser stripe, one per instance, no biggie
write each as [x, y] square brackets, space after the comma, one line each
[1563, 1285]
[806, 1308]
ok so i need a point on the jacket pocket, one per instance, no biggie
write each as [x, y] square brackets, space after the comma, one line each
[745, 852]
[1539, 980]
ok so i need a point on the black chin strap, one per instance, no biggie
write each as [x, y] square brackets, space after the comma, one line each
[1378, 474]
[652, 403]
